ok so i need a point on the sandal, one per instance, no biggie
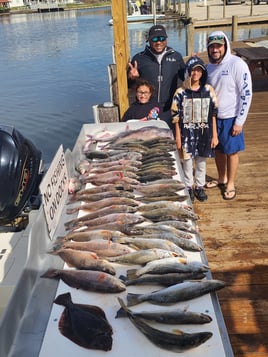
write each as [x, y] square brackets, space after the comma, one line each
[214, 183]
[229, 194]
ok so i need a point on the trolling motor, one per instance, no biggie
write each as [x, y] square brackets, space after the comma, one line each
[20, 176]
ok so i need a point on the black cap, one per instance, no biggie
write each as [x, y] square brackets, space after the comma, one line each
[156, 31]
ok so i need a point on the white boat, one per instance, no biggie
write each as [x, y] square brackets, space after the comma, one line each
[135, 15]
[29, 319]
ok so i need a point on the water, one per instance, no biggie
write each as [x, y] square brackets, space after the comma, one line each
[53, 69]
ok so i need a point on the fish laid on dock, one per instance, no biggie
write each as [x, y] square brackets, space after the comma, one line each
[175, 342]
[179, 292]
[103, 248]
[88, 280]
[172, 265]
[167, 279]
[91, 234]
[85, 325]
[172, 317]
[143, 256]
[84, 260]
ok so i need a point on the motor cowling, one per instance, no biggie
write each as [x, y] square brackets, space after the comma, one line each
[19, 172]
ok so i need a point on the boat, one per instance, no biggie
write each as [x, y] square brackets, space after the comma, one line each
[135, 15]
[29, 321]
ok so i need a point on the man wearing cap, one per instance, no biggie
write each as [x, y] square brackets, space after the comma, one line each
[231, 79]
[160, 65]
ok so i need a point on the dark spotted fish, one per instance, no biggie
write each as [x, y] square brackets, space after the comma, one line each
[179, 292]
[85, 325]
[175, 342]
[167, 279]
[175, 316]
[88, 280]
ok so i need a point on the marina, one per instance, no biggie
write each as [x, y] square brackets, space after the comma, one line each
[233, 234]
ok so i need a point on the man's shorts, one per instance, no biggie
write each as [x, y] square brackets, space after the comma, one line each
[229, 144]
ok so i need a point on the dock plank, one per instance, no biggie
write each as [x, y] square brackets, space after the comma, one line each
[235, 236]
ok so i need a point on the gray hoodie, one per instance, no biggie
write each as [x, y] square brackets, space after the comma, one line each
[232, 83]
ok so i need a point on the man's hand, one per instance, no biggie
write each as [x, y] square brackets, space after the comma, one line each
[133, 70]
[237, 129]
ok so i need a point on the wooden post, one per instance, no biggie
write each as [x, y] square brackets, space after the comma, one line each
[208, 12]
[121, 49]
[189, 39]
[234, 27]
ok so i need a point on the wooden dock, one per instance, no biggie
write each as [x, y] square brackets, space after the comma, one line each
[235, 235]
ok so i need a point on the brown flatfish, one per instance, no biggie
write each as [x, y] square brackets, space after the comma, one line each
[85, 325]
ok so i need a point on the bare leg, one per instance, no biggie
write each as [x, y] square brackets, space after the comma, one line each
[232, 167]
[221, 163]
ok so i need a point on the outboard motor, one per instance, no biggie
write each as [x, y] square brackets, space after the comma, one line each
[20, 173]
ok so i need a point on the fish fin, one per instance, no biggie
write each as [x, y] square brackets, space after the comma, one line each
[123, 278]
[121, 313]
[133, 299]
[178, 332]
[131, 274]
[63, 299]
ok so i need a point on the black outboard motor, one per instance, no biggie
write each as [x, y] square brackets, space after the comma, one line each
[20, 172]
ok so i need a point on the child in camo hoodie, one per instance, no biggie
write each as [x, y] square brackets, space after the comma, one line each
[194, 110]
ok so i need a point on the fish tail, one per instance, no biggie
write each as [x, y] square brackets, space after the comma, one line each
[63, 299]
[131, 274]
[123, 278]
[72, 210]
[133, 299]
[50, 274]
[55, 248]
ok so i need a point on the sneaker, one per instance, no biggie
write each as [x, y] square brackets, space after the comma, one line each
[200, 194]
[191, 193]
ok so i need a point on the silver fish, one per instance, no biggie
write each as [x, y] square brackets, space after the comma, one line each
[172, 265]
[142, 256]
[179, 292]
[144, 133]
[173, 317]
[175, 342]
[166, 279]
[147, 243]
[88, 280]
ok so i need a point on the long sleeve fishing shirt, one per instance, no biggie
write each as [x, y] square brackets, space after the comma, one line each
[231, 80]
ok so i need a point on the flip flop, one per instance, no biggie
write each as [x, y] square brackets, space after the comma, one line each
[214, 183]
[229, 194]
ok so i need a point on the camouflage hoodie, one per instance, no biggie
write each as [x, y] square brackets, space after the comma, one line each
[194, 110]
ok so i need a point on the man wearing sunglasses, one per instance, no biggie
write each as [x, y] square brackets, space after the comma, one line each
[231, 79]
[160, 65]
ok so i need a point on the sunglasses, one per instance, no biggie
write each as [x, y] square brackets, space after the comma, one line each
[214, 38]
[158, 38]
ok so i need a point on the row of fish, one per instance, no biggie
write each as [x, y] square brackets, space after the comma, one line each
[134, 213]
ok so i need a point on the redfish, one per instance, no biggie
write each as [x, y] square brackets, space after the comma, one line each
[84, 260]
[88, 280]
